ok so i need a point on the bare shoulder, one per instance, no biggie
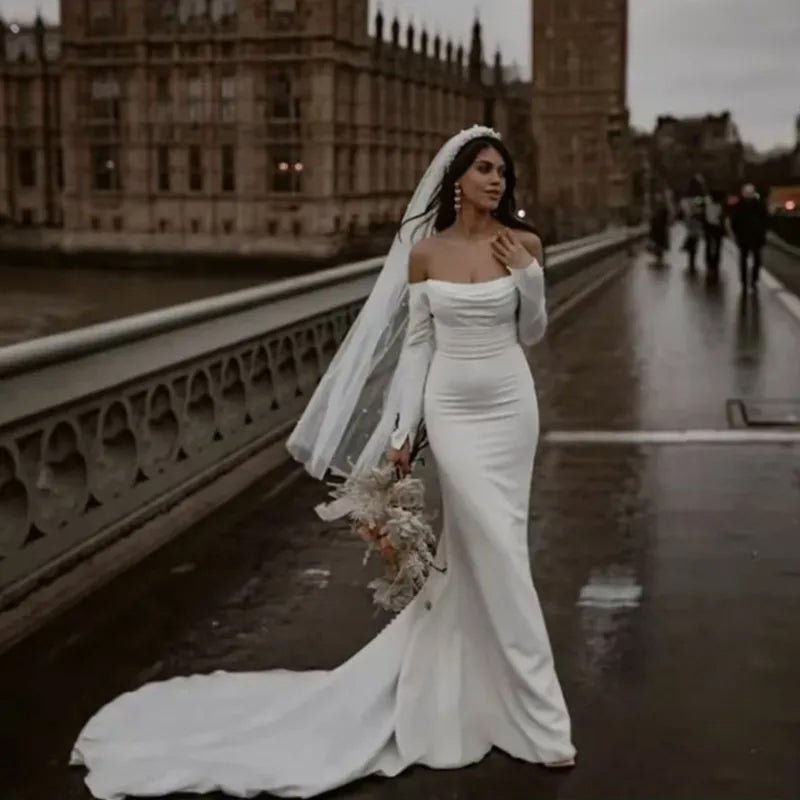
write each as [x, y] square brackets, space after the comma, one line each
[419, 259]
[532, 243]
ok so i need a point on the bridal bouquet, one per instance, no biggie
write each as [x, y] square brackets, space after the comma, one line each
[387, 511]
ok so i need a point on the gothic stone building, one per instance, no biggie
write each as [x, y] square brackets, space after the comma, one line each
[580, 112]
[269, 125]
[31, 155]
[706, 145]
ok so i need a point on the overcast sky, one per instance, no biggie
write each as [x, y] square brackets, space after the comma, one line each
[687, 56]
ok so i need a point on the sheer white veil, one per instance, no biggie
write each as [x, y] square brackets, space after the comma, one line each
[352, 413]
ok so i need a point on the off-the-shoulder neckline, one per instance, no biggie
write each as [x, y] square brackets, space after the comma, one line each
[436, 281]
[472, 283]
[469, 283]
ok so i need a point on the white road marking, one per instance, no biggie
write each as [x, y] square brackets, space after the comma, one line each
[673, 437]
[790, 301]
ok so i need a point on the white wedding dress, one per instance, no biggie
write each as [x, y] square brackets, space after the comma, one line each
[465, 667]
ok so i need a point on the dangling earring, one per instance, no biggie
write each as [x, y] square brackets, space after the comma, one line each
[458, 199]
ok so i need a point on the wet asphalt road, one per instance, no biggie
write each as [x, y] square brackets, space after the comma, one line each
[688, 690]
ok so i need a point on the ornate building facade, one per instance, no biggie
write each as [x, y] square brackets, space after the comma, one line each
[580, 112]
[707, 145]
[31, 153]
[280, 125]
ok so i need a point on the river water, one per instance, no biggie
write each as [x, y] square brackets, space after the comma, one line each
[37, 301]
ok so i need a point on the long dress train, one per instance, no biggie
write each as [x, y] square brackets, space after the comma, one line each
[465, 667]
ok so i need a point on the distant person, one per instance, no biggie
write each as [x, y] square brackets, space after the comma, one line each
[659, 227]
[693, 209]
[749, 225]
[714, 233]
[693, 214]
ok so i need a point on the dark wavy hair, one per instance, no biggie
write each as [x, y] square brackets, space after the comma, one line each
[442, 204]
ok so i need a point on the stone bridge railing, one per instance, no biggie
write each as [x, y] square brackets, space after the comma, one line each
[104, 428]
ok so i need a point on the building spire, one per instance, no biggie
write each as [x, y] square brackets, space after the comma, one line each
[476, 52]
[498, 68]
[410, 36]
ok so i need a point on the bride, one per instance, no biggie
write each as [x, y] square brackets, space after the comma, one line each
[467, 665]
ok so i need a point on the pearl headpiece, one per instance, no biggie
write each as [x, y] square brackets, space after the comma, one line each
[467, 135]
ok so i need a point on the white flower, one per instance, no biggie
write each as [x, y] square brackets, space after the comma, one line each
[409, 493]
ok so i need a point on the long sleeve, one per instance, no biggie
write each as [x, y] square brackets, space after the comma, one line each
[415, 360]
[532, 317]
